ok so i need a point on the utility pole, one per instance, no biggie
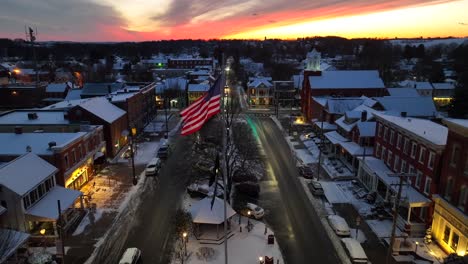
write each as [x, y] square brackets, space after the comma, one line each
[60, 230]
[225, 145]
[401, 176]
[320, 150]
[165, 112]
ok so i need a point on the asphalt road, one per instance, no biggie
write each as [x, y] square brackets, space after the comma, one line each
[156, 213]
[288, 211]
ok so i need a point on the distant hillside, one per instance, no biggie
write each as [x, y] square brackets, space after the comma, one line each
[428, 42]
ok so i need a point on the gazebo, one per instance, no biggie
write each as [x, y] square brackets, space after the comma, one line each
[203, 214]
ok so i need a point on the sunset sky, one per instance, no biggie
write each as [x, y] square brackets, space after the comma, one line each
[140, 20]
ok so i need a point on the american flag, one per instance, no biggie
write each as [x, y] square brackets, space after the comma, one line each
[196, 114]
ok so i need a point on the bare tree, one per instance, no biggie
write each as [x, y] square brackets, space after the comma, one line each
[9, 241]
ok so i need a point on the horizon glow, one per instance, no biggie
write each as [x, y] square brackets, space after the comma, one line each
[144, 20]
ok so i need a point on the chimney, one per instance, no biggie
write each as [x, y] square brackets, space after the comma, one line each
[363, 116]
[18, 130]
[52, 144]
[28, 148]
[32, 116]
[403, 114]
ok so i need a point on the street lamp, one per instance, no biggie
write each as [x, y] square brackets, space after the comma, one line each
[248, 218]
[260, 260]
[416, 250]
[184, 236]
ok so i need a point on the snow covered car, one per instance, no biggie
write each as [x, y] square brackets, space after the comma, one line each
[339, 225]
[152, 168]
[355, 250]
[255, 211]
[306, 172]
[203, 190]
[130, 256]
[316, 188]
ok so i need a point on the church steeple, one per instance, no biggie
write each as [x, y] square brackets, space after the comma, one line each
[313, 61]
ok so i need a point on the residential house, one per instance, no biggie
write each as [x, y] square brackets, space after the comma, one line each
[285, 93]
[56, 92]
[450, 221]
[30, 196]
[196, 91]
[415, 106]
[406, 145]
[260, 91]
[443, 93]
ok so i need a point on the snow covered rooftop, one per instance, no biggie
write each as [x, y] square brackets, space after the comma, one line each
[426, 129]
[56, 87]
[16, 144]
[201, 87]
[102, 108]
[341, 105]
[325, 125]
[256, 82]
[403, 92]
[347, 80]
[43, 118]
[422, 106]
[443, 86]
[46, 207]
[356, 150]
[422, 85]
[203, 213]
[73, 94]
[121, 97]
[320, 100]
[25, 172]
[335, 138]
[460, 122]
[366, 129]
[96, 89]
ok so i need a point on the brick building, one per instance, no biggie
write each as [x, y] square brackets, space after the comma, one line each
[14, 96]
[74, 154]
[450, 223]
[406, 145]
[189, 63]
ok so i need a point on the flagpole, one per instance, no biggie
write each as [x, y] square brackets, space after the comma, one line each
[225, 174]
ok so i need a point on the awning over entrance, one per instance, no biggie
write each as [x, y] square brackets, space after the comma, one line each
[335, 138]
[356, 150]
[47, 206]
[413, 197]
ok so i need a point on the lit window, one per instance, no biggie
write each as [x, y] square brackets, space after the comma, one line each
[455, 239]
[446, 237]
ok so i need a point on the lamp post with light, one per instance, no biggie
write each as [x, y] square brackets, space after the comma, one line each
[184, 236]
[260, 260]
[416, 249]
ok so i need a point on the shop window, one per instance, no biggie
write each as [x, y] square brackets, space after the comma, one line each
[446, 237]
[455, 239]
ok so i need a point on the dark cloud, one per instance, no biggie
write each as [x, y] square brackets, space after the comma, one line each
[65, 18]
[182, 11]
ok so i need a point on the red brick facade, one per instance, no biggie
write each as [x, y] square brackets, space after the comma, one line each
[454, 176]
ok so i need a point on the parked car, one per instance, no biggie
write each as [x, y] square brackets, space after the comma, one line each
[355, 251]
[316, 188]
[152, 168]
[255, 211]
[163, 152]
[130, 256]
[339, 225]
[306, 172]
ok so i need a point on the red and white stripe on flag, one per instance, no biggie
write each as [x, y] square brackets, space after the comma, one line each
[195, 115]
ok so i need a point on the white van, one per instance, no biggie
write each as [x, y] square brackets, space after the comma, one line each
[355, 250]
[130, 256]
[152, 168]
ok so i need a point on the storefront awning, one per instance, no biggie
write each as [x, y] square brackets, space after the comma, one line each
[47, 206]
[335, 138]
[356, 150]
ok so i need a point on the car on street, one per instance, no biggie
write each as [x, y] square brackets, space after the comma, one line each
[255, 211]
[339, 225]
[163, 152]
[316, 188]
[306, 172]
[355, 250]
[152, 168]
[131, 256]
